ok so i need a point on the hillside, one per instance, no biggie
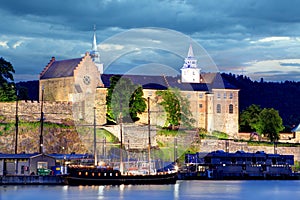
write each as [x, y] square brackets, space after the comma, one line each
[282, 96]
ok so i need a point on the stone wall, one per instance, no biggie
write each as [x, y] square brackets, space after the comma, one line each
[55, 112]
[134, 136]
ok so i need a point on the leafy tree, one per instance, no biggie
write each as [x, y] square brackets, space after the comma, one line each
[7, 85]
[124, 100]
[269, 123]
[249, 117]
[177, 108]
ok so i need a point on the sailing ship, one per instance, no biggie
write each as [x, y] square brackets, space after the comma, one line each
[105, 175]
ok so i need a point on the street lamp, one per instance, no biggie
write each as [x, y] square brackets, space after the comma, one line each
[149, 135]
[17, 122]
[42, 123]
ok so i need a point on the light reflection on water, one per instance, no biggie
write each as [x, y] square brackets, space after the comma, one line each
[182, 190]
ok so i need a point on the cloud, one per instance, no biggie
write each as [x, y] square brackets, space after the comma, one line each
[272, 70]
[17, 44]
[233, 34]
[272, 39]
[4, 44]
[110, 47]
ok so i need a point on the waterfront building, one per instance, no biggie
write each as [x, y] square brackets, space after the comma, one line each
[25, 164]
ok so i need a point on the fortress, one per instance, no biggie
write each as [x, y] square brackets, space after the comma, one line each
[75, 89]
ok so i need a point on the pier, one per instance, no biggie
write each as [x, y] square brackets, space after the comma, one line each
[31, 180]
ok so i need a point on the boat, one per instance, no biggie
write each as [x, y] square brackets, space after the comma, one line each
[107, 175]
[85, 175]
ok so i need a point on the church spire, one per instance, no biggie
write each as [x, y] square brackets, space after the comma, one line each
[94, 46]
[191, 52]
[95, 53]
[190, 73]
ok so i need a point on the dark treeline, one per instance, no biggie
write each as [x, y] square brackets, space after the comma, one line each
[28, 90]
[282, 96]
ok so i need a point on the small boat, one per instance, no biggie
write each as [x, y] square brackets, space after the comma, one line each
[86, 175]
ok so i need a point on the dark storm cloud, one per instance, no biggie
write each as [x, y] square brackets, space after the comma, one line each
[246, 16]
[234, 32]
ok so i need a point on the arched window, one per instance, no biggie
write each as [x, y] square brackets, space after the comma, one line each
[230, 108]
[218, 108]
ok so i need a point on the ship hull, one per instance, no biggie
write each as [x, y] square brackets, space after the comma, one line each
[102, 177]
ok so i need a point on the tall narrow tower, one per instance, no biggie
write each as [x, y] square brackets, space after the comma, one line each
[95, 53]
[190, 73]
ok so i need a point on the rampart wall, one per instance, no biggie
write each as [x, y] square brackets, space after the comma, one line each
[55, 112]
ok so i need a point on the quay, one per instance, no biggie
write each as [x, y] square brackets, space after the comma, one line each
[31, 180]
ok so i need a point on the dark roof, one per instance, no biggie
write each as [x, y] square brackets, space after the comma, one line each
[54, 155]
[62, 68]
[71, 156]
[18, 156]
[163, 82]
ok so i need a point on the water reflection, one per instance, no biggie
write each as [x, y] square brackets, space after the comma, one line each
[187, 190]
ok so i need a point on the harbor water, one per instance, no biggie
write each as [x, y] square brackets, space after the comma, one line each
[186, 190]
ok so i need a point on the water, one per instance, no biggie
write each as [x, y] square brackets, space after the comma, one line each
[182, 190]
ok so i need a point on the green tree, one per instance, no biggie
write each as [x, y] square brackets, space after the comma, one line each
[269, 123]
[249, 118]
[176, 107]
[124, 99]
[7, 85]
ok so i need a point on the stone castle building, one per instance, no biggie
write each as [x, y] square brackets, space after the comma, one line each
[81, 81]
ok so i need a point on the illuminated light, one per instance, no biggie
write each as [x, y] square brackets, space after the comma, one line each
[99, 174]
[79, 173]
[117, 174]
[93, 174]
[176, 168]
[86, 173]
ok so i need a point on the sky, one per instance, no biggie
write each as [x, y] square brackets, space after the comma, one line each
[255, 38]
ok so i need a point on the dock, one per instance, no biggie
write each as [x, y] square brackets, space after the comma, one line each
[31, 180]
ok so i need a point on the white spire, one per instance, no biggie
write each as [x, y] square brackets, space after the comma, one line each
[190, 73]
[95, 53]
[94, 46]
[191, 52]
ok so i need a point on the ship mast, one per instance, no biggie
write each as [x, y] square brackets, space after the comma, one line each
[149, 136]
[95, 139]
[121, 137]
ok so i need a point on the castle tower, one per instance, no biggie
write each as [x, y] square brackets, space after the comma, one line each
[190, 73]
[95, 53]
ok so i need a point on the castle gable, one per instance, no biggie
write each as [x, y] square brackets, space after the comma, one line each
[62, 68]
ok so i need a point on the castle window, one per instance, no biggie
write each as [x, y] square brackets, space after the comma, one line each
[230, 108]
[218, 108]
[231, 95]
[200, 105]
[188, 96]
[200, 96]
[219, 96]
[225, 95]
